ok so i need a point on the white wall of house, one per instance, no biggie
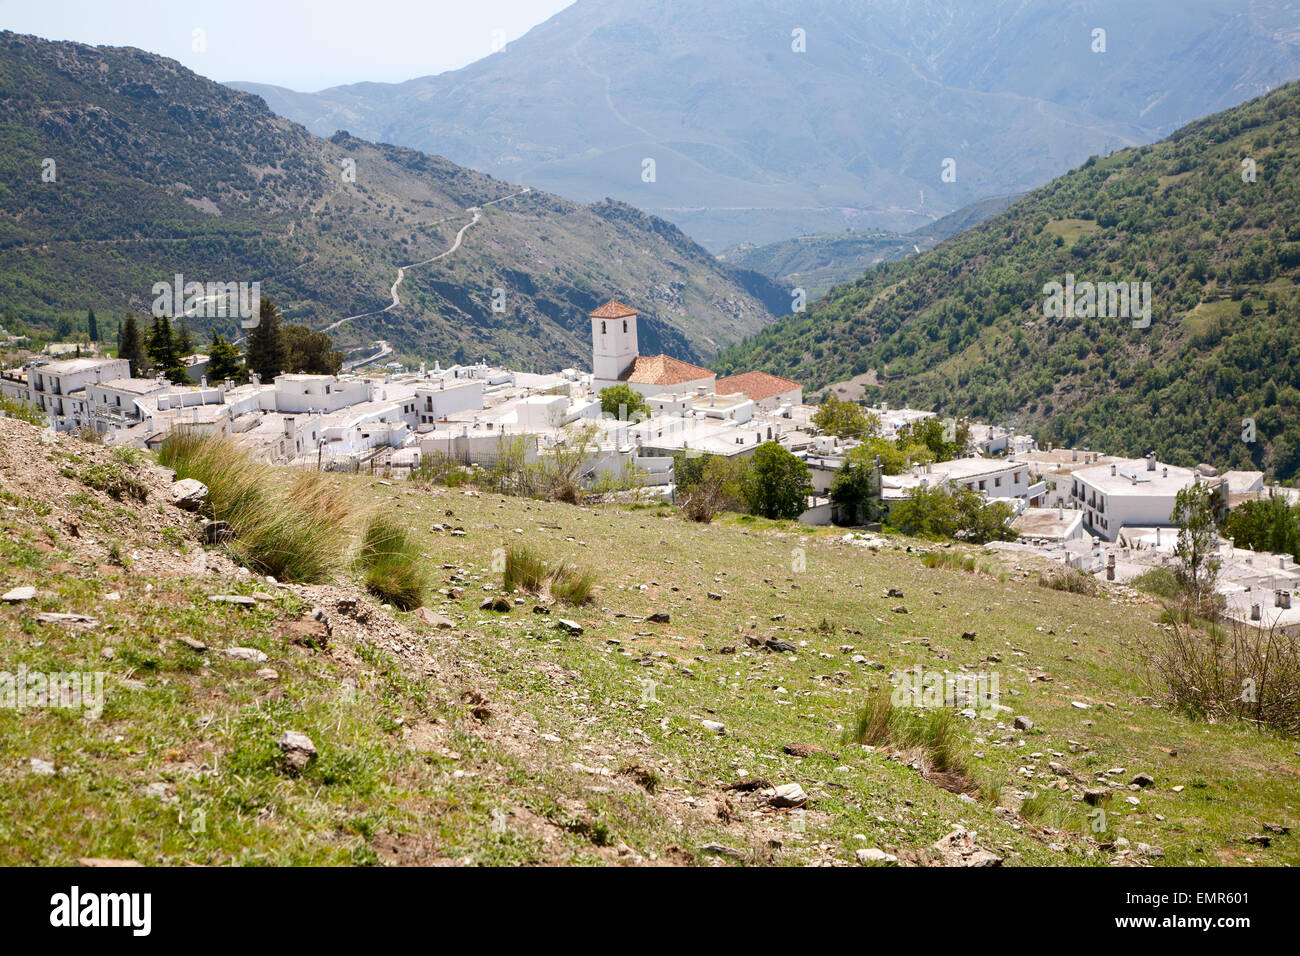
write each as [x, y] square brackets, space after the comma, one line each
[436, 402]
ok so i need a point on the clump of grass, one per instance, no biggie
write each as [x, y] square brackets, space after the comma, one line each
[1071, 580]
[1162, 582]
[871, 723]
[390, 561]
[115, 481]
[296, 530]
[572, 585]
[936, 733]
[952, 560]
[525, 570]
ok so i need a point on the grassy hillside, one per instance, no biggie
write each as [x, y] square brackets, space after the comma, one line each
[505, 738]
[157, 171]
[962, 327]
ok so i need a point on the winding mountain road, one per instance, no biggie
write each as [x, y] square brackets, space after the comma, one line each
[476, 212]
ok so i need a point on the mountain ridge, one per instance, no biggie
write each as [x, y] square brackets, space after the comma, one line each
[755, 142]
[158, 171]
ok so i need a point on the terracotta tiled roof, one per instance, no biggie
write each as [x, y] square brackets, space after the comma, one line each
[757, 385]
[663, 370]
[613, 309]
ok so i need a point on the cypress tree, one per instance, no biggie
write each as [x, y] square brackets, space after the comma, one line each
[265, 354]
[130, 346]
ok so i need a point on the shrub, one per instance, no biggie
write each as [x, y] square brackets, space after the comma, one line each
[708, 485]
[777, 483]
[115, 481]
[957, 513]
[12, 408]
[1215, 674]
[1162, 582]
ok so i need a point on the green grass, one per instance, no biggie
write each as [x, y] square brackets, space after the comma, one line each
[527, 571]
[391, 565]
[528, 713]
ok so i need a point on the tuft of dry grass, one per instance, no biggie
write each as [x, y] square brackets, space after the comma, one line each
[295, 529]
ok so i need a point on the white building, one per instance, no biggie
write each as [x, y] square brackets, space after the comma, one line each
[1132, 492]
[59, 388]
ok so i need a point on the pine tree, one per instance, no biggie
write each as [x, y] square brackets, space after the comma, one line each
[162, 348]
[265, 354]
[184, 340]
[130, 346]
[92, 326]
[223, 361]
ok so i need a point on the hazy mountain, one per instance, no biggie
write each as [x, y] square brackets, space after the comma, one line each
[754, 142]
[1209, 217]
[157, 171]
[816, 263]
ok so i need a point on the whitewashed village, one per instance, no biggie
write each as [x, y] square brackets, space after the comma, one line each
[1105, 516]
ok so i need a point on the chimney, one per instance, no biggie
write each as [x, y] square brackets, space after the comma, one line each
[1166, 474]
[1113, 469]
[1151, 462]
[290, 428]
[1255, 613]
[1110, 567]
[1282, 599]
[1076, 455]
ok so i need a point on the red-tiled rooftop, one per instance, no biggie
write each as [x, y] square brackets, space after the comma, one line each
[663, 370]
[757, 385]
[613, 309]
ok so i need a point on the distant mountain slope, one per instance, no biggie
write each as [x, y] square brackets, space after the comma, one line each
[754, 142]
[963, 327]
[816, 263]
[159, 171]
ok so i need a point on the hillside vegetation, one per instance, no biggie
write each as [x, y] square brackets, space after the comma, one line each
[962, 328]
[652, 724]
[119, 169]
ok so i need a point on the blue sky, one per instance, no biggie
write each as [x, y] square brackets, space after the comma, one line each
[301, 44]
